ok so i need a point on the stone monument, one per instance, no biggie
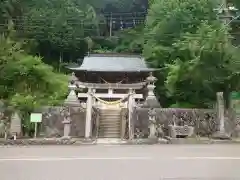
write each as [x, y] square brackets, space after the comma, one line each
[152, 123]
[15, 125]
[221, 133]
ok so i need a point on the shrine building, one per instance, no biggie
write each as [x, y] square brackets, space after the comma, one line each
[108, 84]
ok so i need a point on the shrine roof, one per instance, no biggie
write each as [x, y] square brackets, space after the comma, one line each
[113, 63]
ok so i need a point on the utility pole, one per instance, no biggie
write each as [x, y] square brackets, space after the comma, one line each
[224, 12]
[110, 25]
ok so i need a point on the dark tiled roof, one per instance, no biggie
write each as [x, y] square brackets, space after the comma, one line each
[113, 63]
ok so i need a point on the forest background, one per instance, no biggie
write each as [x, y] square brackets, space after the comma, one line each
[197, 53]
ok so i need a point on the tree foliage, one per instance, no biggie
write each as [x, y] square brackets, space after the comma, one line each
[26, 82]
[192, 48]
[184, 39]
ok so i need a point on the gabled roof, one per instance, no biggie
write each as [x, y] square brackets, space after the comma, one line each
[113, 63]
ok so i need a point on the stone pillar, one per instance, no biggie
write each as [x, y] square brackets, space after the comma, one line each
[67, 123]
[152, 123]
[88, 126]
[130, 111]
[220, 111]
[235, 110]
[15, 125]
[93, 99]
[221, 133]
[110, 91]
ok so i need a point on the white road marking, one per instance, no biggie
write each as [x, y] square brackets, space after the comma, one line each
[208, 158]
[28, 158]
[73, 158]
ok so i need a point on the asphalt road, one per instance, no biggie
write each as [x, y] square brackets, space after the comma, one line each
[149, 162]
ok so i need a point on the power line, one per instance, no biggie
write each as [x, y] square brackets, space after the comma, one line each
[163, 38]
[30, 29]
[136, 13]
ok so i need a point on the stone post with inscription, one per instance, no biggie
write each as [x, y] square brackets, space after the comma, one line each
[15, 125]
[221, 133]
[152, 123]
[66, 122]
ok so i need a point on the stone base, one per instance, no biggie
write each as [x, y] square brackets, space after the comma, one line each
[88, 141]
[110, 141]
[66, 137]
[221, 135]
[171, 140]
[147, 141]
[180, 131]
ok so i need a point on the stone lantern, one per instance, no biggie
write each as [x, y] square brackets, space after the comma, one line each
[151, 100]
[73, 79]
[71, 103]
[72, 99]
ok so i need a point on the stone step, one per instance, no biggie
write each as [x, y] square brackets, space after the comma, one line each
[109, 117]
[110, 110]
[109, 136]
[110, 122]
[110, 141]
[109, 133]
[109, 128]
[115, 113]
[102, 132]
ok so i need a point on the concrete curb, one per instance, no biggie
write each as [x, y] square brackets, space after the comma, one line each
[78, 142]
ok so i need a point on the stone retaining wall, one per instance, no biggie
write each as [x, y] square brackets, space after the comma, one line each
[52, 125]
[204, 121]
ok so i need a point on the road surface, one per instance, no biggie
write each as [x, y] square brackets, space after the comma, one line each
[147, 162]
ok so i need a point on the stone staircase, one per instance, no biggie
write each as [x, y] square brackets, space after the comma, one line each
[110, 123]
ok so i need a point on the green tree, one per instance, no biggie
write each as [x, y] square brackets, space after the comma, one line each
[130, 40]
[192, 49]
[59, 27]
[26, 82]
